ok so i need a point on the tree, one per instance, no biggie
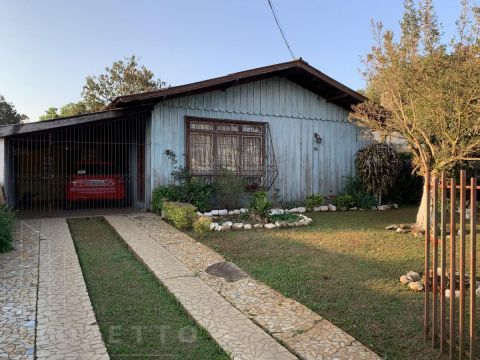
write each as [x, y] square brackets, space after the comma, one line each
[70, 109]
[377, 166]
[426, 91]
[122, 78]
[8, 113]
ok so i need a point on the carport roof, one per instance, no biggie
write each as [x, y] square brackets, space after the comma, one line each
[298, 71]
[18, 129]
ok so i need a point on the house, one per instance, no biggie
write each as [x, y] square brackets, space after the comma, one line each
[282, 127]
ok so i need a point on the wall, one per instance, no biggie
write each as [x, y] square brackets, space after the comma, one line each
[2, 161]
[293, 113]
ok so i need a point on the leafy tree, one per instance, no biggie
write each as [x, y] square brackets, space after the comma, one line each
[122, 78]
[8, 113]
[426, 91]
[70, 109]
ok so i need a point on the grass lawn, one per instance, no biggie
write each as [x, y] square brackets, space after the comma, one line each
[138, 318]
[346, 267]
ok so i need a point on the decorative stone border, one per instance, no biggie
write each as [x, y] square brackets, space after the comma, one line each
[229, 225]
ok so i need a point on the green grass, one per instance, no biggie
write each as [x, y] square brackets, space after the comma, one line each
[346, 267]
[138, 317]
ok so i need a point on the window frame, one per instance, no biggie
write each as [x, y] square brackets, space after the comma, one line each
[215, 132]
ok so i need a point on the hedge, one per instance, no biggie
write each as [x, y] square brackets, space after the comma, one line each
[180, 215]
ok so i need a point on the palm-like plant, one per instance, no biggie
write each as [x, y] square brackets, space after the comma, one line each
[377, 166]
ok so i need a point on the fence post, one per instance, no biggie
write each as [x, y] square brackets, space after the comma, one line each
[434, 261]
[426, 310]
[461, 313]
[443, 256]
[473, 263]
[453, 209]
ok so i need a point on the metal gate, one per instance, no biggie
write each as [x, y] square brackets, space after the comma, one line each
[93, 165]
[450, 323]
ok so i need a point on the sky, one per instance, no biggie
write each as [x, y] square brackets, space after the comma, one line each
[48, 47]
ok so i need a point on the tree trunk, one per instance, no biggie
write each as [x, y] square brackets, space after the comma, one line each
[420, 224]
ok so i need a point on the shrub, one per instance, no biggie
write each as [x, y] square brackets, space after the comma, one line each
[361, 198]
[202, 226]
[180, 215]
[229, 190]
[408, 187]
[343, 201]
[285, 217]
[377, 167]
[168, 192]
[313, 200]
[6, 228]
[260, 206]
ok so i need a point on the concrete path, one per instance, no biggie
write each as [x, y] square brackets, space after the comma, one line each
[229, 307]
[46, 312]
[231, 329]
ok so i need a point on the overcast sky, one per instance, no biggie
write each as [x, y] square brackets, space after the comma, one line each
[47, 47]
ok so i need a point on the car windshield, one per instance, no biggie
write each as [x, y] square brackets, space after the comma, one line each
[94, 169]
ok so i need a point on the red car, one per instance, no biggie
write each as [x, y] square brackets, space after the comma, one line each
[94, 180]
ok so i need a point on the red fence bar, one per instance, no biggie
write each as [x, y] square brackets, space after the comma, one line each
[426, 310]
[453, 209]
[473, 263]
[434, 261]
[462, 268]
[443, 258]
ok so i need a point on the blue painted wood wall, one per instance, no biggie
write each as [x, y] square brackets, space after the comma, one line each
[293, 113]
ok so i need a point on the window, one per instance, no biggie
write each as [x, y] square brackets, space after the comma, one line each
[213, 145]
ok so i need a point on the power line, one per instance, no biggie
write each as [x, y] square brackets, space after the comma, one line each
[280, 28]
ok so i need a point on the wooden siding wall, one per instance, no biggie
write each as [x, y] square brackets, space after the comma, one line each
[293, 113]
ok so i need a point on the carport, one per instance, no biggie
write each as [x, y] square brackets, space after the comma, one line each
[92, 161]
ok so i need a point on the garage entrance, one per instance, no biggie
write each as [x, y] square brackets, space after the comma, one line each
[93, 165]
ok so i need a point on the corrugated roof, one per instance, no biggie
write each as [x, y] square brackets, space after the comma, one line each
[298, 71]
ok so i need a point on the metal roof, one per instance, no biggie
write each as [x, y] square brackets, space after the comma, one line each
[298, 71]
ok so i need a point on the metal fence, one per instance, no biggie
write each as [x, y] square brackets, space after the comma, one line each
[451, 322]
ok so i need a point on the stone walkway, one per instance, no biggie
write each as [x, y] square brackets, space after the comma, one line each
[46, 311]
[231, 329]
[18, 295]
[184, 266]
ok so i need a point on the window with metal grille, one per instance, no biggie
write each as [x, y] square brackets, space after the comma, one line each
[214, 145]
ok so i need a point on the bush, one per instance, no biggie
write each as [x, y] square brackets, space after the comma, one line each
[408, 187]
[202, 226]
[343, 201]
[180, 215]
[6, 228]
[377, 167]
[229, 190]
[361, 198]
[168, 192]
[260, 206]
[313, 200]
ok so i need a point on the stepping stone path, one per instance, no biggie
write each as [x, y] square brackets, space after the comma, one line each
[224, 299]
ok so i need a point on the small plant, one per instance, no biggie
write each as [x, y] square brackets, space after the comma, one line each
[6, 228]
[180, 215]
[229, 190]
[361, 198]
[343, 201]
[201, 226]
[260, 206]
[168, 192]
[313, 200]
[285, 217]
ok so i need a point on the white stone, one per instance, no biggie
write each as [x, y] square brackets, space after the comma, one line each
[332, 207]
[413, 276]
[243, 210]
[215, 212]
[404, 280]
[227, 223]
[231, 212]
[213, 226]
[395, 206]
[324, 208]
[270, 226]
[237, 226]
[258, 226]
[384, 207]
[208, 214]
[301, 209]
[237, 212]
[391, 227]
[415, 286]
[293, 211]
[247, 227]
[317, 208]
[199, 213]
[223, 212]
